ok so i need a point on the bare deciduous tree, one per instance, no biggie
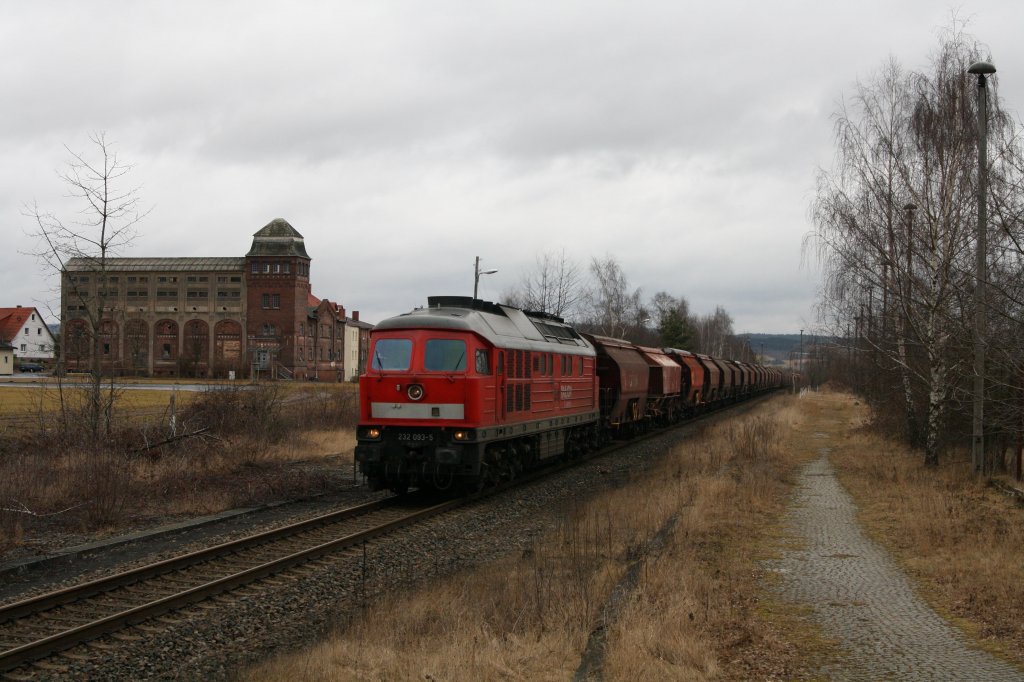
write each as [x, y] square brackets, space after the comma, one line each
[895, 228]
[106, 224]
[555, 285]
[613, 310]
[714, 332]
[608, 306]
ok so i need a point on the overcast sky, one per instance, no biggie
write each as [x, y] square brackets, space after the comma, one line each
[402, 139]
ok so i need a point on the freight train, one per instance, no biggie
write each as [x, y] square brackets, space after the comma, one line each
[465, 393]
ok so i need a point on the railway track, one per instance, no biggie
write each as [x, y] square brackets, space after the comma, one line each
[42, 626]
[46, 625]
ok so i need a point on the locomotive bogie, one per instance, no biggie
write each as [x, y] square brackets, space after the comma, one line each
[399, 457]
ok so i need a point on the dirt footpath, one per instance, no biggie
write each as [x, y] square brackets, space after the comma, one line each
[861, 598]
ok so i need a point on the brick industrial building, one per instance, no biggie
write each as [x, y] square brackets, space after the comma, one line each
[207, 317]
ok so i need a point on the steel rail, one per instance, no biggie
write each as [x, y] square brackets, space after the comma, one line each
[47, 646]
[92, 588]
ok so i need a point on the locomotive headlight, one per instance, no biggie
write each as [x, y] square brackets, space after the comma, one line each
[372, 433]
[415, 391]
[461, 435]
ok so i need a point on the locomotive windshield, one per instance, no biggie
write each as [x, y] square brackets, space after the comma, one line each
[392, 354]
[445, 355]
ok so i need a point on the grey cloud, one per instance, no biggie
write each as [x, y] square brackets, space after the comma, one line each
[404, 138]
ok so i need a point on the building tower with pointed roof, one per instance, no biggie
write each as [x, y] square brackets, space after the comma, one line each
[206, 316]
[277, 282]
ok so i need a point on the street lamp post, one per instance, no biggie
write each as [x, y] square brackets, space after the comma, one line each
[476, 275]
[801, 360]
[981, 70]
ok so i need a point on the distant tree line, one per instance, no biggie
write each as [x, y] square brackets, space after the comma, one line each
[599, 299]
[896, 230]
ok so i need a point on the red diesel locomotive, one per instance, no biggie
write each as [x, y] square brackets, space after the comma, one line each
[464, 392]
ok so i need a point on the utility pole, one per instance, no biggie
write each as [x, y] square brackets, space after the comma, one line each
[476, 275]
[978, 460]
[801, 356]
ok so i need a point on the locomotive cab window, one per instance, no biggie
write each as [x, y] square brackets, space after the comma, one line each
[392, 354]
[483, 361]
[445, 355]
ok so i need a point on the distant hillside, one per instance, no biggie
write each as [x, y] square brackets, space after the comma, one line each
[779, 348]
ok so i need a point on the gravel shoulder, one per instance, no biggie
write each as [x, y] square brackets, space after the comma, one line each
[72, 559]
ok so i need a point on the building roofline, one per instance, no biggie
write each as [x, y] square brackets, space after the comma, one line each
[208, 264]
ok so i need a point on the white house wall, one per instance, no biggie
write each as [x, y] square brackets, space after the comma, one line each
[352, 368]
[34, 340]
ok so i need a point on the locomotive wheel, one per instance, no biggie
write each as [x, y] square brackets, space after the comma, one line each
[398, 479]
[439, 481]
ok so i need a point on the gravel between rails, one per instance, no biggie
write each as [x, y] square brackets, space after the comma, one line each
[214, 639]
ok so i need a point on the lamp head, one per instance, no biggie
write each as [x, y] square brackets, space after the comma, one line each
[982, 68]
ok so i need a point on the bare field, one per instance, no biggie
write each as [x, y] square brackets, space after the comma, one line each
[695, 532]
[47, 399]
[46, 396]
[227, 449]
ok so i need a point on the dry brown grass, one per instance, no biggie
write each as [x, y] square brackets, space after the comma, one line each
[256, 445]
[45, 396]
[46, 399]
[962, 541]
[321, 443]
[698, 612]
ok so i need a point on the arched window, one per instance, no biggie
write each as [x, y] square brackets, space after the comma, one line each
[136, 336]
[165, 341]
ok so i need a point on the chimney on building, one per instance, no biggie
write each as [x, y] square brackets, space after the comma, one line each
[341, 311]
[355, 315]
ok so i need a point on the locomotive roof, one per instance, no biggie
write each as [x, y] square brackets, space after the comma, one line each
[502, 325]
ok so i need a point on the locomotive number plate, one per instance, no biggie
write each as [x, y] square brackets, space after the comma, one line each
[416, 437]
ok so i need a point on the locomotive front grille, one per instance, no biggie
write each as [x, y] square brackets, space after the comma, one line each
[418, 410]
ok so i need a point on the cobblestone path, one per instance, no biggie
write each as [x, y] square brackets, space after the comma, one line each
[861, 598]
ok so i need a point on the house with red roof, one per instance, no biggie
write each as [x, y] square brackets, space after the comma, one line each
[6, 359]
[24, 329]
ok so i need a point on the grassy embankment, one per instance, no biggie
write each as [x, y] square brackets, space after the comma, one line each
[255, 445]
[699, 610]
[962, 541]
